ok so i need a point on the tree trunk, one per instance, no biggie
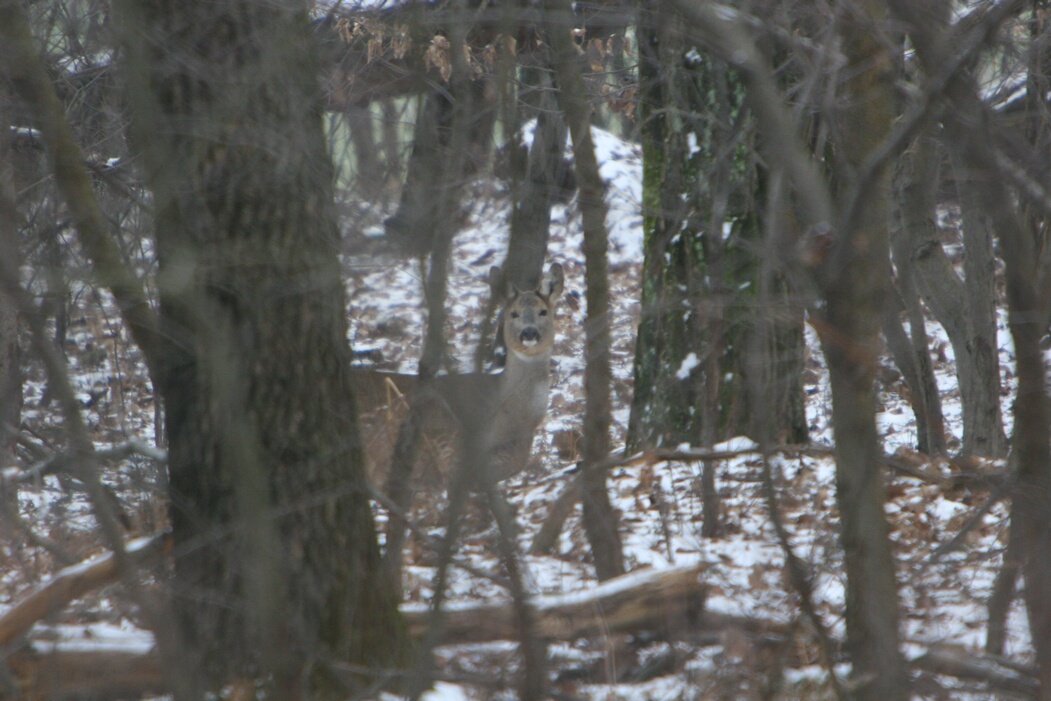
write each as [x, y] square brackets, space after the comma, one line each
[661, 403]
[701, 271]
[915, 183]
[369, 172]
[530, 221]
[966, 310]
[10, 362]
[969, 132]
[983, 427]
[453, 129]
[600, 520]
[854, 280]
[427, 219]
[531, 218]
[392, 118]
[276, 560]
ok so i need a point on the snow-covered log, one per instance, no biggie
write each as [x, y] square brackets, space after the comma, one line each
[69, 584]
[665, 601]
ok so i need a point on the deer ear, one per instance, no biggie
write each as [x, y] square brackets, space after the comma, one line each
[551, 287]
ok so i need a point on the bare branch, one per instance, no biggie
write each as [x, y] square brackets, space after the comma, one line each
[725, 31]
[70, 584]
[19, 54]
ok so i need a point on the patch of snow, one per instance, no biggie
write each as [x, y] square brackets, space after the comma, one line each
[688, 364]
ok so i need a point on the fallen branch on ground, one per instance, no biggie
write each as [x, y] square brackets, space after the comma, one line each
[915, 465]
[669, 603]
[72, 583]
[83, 674]
[666, 601]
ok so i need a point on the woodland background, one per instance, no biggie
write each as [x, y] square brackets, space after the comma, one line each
[799, 426]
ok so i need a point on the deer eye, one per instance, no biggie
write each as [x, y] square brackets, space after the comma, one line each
[514, 315]
[543, 312]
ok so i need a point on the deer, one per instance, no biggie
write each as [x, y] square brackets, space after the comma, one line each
[495, 416]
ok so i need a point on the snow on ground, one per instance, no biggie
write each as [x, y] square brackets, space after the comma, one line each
[660, 506]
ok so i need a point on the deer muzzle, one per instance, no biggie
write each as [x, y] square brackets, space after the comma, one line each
[530, 336]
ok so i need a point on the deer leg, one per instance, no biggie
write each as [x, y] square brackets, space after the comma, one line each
[533, 649]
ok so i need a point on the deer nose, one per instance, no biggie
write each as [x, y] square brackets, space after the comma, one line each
[529, 336]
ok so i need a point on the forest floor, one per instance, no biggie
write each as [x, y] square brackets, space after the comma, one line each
[942, 595]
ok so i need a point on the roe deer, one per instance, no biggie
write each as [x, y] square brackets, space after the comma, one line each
[496, 414]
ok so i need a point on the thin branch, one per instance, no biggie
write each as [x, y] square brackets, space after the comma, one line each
[725, 31]
[913, 120]
[800, 579]
[49, 463]
[18, 53]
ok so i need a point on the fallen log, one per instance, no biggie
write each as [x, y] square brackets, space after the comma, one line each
[72, 583]
[668, 602]
[1000, 674]
[83, 674]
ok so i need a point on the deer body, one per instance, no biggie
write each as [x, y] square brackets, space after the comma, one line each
[491, 417]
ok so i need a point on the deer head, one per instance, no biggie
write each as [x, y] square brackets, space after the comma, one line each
[528, 315]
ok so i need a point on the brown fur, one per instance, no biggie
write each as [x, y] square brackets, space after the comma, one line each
[499, 411]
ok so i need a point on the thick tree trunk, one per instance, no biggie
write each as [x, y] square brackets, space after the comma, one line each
[854, 280]
[276, 560]
[702, 229]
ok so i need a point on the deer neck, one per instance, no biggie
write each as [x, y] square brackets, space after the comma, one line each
[526, 382]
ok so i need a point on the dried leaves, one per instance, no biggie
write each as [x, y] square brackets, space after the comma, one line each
[607, 57]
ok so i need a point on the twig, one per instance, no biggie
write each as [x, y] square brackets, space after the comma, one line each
[52, 463]
[27, 74]
[15, 520]
[800, 579]
[973, 520]
[395, 511]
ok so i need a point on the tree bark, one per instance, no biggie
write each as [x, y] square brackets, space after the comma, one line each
[10, 360]
[702, 230]
[600, 519]
[276, 561]
[453, 129]
[969, 131]
[854, 280]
